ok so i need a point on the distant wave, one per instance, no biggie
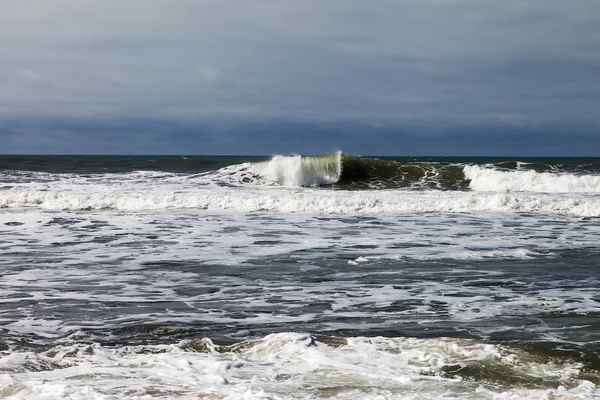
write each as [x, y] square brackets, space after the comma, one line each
[332, 183]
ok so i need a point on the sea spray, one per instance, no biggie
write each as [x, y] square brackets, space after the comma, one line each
[301, 171]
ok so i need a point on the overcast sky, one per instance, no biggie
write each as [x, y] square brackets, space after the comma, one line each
[434, 77]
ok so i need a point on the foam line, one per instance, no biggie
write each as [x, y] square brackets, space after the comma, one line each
[316, 201]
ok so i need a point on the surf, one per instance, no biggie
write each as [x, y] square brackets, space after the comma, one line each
[303, 201]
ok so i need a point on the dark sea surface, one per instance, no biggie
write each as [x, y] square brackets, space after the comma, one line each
[288, 277]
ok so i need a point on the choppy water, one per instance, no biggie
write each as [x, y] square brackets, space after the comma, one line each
[333, 277]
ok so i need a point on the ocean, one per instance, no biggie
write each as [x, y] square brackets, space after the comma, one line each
[288, 277]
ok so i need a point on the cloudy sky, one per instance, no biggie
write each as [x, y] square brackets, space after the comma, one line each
[387, 77]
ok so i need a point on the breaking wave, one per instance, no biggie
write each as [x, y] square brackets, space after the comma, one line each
[332, 183]
[302, 171]
[342, 171]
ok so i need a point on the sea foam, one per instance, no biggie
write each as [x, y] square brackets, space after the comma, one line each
[278, 365]
[493, 180]
[311, 201]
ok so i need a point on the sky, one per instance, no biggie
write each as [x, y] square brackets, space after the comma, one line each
[377, 77]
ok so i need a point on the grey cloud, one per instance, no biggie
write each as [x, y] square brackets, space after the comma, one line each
[29, 75]
[430, 63]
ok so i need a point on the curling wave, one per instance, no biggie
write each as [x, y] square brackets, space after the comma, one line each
[345, 171]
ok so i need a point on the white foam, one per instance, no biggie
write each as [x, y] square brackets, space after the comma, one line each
[282, 366]
[296, 171]
[286, 171]
[256, 187]
[493, 180]
[305, 200]
[459, 254]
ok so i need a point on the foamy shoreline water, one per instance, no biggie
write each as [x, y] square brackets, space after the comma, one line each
[291, 365]
[222, 283]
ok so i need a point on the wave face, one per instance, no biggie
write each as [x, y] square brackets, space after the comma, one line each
[342, 171]
[366, 173]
